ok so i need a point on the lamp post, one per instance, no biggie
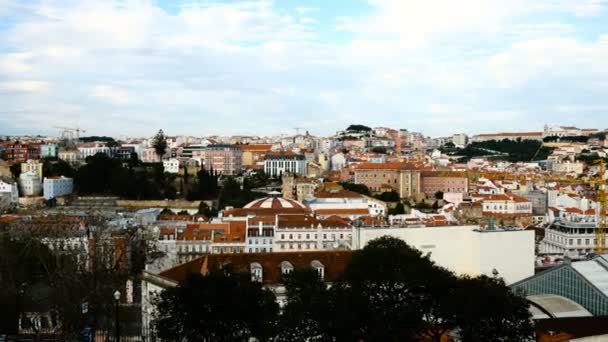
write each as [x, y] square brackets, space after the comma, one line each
[117, 300]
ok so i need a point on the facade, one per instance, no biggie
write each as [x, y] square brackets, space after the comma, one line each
[223, 159]
[30, 184]
[276, 164]
[466, 249]
[345, 204]
[57, 186]
[446, 182]
[254, 154]
[49, 151]
[70, 156]
[32, 166]
[20, 152]
[509, 204]
[571, 236]
[539, 200]
[171, 165]
[10, 190]
[460, 139]
[538, 136]
[567, 167]
[400, 177]
[584, 282]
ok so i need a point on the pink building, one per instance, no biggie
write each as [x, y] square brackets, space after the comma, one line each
[223, 159]
[446, 182]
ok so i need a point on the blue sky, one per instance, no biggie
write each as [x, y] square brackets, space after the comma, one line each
[128, 68]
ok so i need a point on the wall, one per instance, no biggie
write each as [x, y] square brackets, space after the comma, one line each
[464, 250]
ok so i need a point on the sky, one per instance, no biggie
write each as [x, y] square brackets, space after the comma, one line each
[130, 67]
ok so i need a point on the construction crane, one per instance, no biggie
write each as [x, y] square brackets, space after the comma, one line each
[68, 132]
[601, 183]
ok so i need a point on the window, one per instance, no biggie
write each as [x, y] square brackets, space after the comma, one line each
[318, 266]
[256, 272]
[286, 267]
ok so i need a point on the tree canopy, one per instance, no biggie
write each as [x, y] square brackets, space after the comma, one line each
[222, 306]
[159, 143]
[358, 128]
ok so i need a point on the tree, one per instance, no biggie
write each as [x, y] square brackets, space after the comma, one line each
[307, 312]
[389, 196]
[439, 195]
[498, 314]
[232, 195]
[358, 128]
[221, 306]
[359, 188]
[388, 281]
[159, 143]
[15, 170]
[379, 150]
[399, 209]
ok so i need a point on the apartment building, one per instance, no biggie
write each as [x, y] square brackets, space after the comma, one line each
[403, 178]
[224, 159]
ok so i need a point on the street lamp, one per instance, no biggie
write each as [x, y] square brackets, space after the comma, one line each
[117, 299]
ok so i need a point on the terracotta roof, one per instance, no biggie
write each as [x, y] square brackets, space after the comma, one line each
[386, 166]
[337, 194]
[348, 211]
[334, 264]
[256, 147]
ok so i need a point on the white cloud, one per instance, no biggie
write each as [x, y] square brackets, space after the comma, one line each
[112, 94]
[24, 86]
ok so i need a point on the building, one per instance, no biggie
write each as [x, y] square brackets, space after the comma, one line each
[445, 182]
[345, 204]
[566, 167]
[460, 139]
[566, 131]
[49, 151]
[572, 234]
[91, 149]
[254, 154]
[10, 190]
[266, 268]
[70, 156]
[298, 188]
[18, 152]
[508, 204]
[539, 200]
[275, 164]
[380, 177]
[57, 186]
[221, 158]
[584, 282]
[30, 184]
[465, 249]
[171, 165]
[538, 136]
[32, 166]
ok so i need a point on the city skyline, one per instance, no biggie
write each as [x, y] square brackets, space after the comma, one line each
[128, 68]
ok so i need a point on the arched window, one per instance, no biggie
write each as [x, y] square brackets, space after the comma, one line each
[318, 266]
[286, 267]
[256, 272]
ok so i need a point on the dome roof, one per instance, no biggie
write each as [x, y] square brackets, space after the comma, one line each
[274, 202]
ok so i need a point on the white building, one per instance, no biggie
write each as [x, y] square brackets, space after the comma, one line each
[460, 139]
[345, 204]
[466, 249]
[171, 165]
[30, 184]
[338, 161]
[57, 186]
[567, 167]
[92, 149]
[572, 235]
[277, 164]
[11, 190]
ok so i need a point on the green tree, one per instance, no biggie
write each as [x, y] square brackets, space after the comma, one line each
[15, 170]
[221, 306]
[388, 281]
[397, 210]
[307, 312]
[359, 188]
[389, 196]
[159, 143]
[497, 314]
[439, 195]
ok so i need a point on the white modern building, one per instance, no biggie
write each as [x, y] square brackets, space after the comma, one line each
[57, 186]
[30, 184]
[466, 249]
[345, 204]
[277, 164]
[11, 190]
[171, 165]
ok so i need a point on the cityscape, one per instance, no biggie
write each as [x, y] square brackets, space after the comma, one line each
[303, 171]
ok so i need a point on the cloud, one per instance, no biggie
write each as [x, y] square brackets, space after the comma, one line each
[24, 86]
[210, 67]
